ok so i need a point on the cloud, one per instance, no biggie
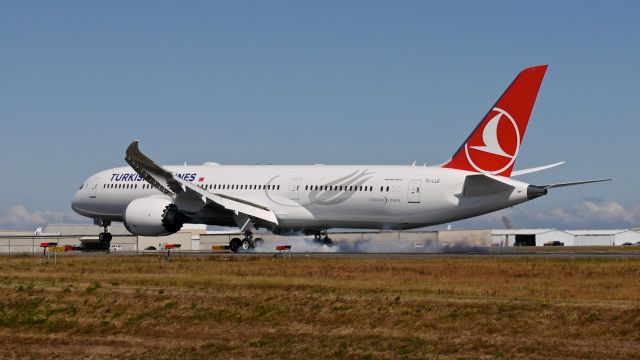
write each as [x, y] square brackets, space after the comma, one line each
[19, 217]
[591, 213]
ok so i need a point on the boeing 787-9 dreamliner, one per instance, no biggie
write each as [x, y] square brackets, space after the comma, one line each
[156, 200]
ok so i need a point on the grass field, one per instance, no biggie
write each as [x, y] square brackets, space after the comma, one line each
[309, 308]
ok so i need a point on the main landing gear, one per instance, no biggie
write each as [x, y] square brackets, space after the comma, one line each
[321, 237]
[245, 244]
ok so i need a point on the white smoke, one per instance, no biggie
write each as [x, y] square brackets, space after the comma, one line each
[386, 246]
[306, 244]
[299, 244]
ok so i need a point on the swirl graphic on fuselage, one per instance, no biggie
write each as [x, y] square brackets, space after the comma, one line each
[333, 192]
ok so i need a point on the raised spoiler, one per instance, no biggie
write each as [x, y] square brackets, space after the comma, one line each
[171, 185]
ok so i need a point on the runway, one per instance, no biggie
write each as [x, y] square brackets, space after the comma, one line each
[476, 253]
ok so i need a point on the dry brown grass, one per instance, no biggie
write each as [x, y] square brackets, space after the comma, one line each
[206, 307]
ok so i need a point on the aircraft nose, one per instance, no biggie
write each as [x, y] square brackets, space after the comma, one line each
[75, 202]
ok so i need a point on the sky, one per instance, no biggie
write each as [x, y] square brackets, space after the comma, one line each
[333, 82]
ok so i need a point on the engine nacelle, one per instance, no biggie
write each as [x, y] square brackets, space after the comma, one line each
[153, 216]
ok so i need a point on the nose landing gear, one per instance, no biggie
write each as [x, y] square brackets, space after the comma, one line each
[105, 236]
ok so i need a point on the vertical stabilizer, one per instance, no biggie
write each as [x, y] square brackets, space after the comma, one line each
[493, 145]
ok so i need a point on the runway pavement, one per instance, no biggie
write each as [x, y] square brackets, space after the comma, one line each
[476, 253]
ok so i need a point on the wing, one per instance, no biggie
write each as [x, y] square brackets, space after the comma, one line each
[165, 181]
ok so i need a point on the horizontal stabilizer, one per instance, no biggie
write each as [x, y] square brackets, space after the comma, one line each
[551, 186]
[535, 169]
[482, 184]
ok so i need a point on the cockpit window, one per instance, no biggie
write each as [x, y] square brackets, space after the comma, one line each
[81, 186]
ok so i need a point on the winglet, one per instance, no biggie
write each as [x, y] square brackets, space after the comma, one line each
[145, 167]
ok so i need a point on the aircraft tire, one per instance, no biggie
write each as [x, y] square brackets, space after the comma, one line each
[105, 237]
[234, 244]
[259, 242]
[248, 244]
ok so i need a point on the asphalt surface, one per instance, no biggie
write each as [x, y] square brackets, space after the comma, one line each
[507, 253]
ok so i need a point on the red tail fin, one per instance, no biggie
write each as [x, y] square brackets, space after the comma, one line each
[493, 145]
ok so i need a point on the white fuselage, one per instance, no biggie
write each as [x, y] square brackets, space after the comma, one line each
[314, 196]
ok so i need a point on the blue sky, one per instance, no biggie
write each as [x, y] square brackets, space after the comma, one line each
[244, 82]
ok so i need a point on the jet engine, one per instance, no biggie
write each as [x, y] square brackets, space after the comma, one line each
[153, 216]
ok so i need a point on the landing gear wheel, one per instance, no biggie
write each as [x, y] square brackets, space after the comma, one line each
[105, 240]
[321, 237]
[259, 242]
[105, 237]
[234, 244]
[248, 244]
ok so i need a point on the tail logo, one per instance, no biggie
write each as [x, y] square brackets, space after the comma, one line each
[498, 147]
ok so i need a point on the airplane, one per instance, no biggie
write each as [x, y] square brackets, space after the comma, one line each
[156, 200]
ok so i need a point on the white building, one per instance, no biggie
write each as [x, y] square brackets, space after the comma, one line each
[539, 237]
[604, 237]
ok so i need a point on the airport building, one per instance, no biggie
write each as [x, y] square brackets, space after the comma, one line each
[197, 238]
[540, 237]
